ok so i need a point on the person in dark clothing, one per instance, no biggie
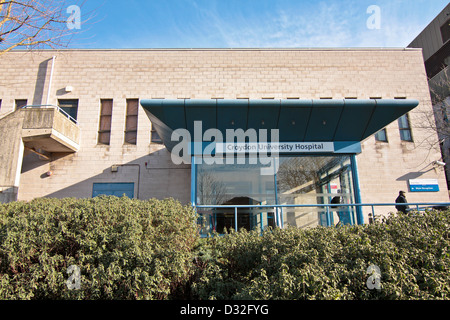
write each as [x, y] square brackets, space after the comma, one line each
[401, 199]
[336, 199]
[343, 214]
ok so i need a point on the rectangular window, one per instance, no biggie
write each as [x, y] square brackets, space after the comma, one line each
[70, 107]
[155, 138]
[104, 131]
[445, 31]
[20, 103]
[381, 135]
[0, 104]
[405, 128]
[113, 189]
[131, 121]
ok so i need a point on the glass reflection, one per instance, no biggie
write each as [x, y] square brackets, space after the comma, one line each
[299, 180]
[315, 180]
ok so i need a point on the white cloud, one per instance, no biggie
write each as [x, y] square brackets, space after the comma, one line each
[277, 23]
[326, 24]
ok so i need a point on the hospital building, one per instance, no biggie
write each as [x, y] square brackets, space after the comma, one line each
[326, 123]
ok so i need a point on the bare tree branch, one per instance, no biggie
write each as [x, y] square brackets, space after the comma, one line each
[35, 24]
[435, 121]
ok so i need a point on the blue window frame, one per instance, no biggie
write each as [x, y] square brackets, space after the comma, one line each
[113, 189]
[300, 179]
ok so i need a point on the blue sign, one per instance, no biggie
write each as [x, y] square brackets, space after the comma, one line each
[423, 185]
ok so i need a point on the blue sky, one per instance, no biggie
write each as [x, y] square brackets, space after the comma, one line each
[251, 23]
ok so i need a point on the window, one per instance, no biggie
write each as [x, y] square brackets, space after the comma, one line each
[0, 104]
[131, 121]
[445, 31]
[104, 131]
[299, 179]
[70, 107]
[405, 128]
[155, 138]
[381, 135]
[113, 189]
[21, 103]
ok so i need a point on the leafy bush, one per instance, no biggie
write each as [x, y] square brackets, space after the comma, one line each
[411, 252]
[132, 249]
[124, 249]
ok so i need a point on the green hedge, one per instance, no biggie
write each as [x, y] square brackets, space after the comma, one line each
[132, 249]
[410, 251]
[124, 249]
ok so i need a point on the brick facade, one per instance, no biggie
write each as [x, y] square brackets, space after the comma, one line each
[384, 168]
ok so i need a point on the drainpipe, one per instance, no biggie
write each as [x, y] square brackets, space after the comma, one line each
[51, 79]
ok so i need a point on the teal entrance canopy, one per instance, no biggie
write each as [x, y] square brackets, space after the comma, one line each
[298, 120]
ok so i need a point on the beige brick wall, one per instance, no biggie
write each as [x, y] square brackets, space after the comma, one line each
[205, 74]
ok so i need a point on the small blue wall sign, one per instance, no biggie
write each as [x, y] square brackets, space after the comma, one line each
[423, 185]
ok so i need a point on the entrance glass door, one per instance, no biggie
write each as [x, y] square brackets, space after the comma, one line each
[234, 184]
[299, 180]
[313, 180]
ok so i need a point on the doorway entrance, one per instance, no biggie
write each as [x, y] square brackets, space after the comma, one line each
[298, 180]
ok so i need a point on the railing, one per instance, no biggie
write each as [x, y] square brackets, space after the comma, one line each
[419, 206]
[51, 106]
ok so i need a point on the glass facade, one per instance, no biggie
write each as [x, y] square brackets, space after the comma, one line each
[298, 180]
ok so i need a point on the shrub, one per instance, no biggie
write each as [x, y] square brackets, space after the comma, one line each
[411, 252]
[132, 249]
[124, 249]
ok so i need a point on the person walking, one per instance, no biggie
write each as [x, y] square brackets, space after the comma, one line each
[401, 199]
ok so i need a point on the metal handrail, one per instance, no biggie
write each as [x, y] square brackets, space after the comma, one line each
[53, 106]
[328, 205]
[322, 205]
[439, 74]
